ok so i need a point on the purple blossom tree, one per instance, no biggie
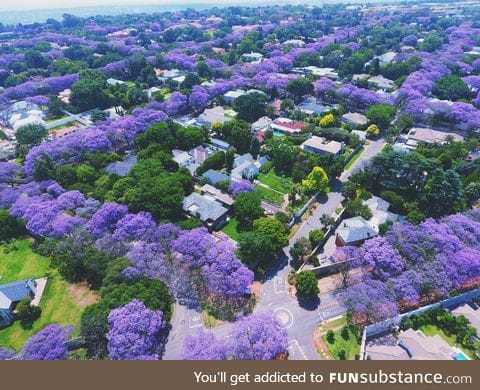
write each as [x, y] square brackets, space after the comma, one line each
[204, 346]
[134, 332]
[47, 344]
[239, 186]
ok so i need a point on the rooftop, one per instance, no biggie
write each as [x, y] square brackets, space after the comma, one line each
[204, 207]
[355, 229]
[322, 145]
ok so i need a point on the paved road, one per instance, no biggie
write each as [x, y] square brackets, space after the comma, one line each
[299, 318]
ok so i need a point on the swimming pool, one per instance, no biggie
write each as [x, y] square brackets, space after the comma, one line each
[460, 356]
[278, 134]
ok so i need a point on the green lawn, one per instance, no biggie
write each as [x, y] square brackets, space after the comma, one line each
[61, 303]
[350, 346]
[230, 229]
[432, 330]
[277, 183]
[269, 195]
[354, 158]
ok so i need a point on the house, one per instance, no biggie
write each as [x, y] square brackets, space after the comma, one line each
[294, 43]
[122, 168]
[246, 170]
[419, 134]
[310, 106]
[112, 81]
[261, 124]
[471, 314]
[318, 72]
[182, 158]
[380, 214]
[252, 57]
[382, 83]
[354, 231]
[64, 95]
[412, 345]
[64, 132]
[152, 91]
[7, 150]
[355, 119]
[219, 196]
[199, 154]
[360, 77]
[220, 145]
[276, 107]
[231, 96]
[213, 115]
[239, 160]
[320, 145]
[11, 294]
[386, 58]
[207, 209]
[213, 177]
[287, 126]
[22, 114]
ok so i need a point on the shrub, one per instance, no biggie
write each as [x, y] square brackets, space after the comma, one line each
[307, 284]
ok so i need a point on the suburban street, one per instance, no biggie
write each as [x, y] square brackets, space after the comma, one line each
[299, 318]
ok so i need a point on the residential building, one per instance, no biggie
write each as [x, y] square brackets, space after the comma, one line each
[317, 71]
[11, 294]
[412, 345]
[355, 119]
[239, 160]
[152, 91]
[182, 158]
[219, 196]
[220, 145]
[246, 170]
[64, 132]
[261, 124]
[380, 214]
[287, 126]
[354, 231]
[112, 81]
[294, 43]
[122, 168]
[21, 114]
[207, 209]
[417, 135]
[252, 57]
[213, 177]
[471, 314]
[382, 83]
[310, 106]
[386, 58]
[213, 115]
[200, 154]
[320, 145]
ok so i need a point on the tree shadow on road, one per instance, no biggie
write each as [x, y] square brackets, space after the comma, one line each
[308, 303]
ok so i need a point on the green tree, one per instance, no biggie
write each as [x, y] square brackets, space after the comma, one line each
[247, 209]
[355, 208]
[31, 135]
[274, 229]
[300, 250]
[255, 249]
[451, 88]
[316, 181]
[9, 226]
[90, 91]
[300, 87]
[250, 106]
[189, 137]
[381, 115]
[44, 168]
[316, 236]
[306, 283]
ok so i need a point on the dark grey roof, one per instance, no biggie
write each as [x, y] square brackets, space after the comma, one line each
[214, 177]
[16, 291]
[122, 168]
[203, 207]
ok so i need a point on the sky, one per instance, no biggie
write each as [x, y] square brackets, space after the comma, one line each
[37, 4]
